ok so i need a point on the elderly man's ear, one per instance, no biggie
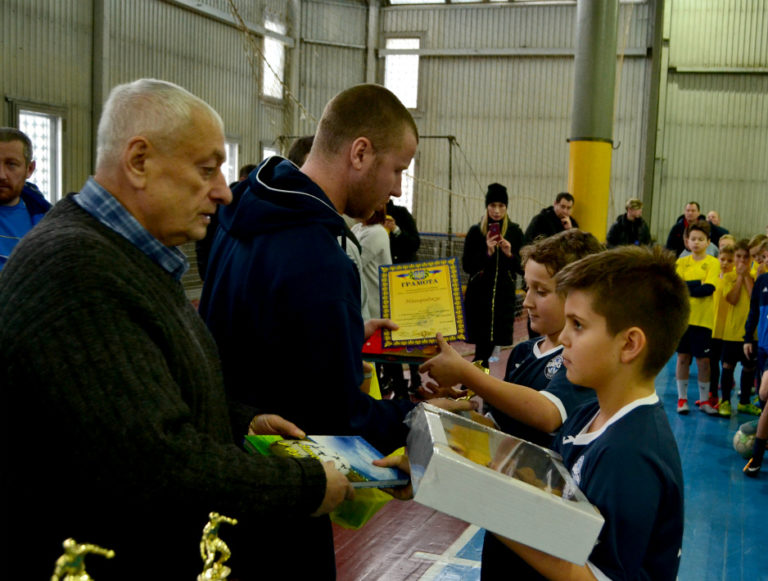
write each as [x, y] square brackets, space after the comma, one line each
[135, 161]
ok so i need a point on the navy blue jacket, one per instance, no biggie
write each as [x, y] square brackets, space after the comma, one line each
[758, 313]
[282, 300]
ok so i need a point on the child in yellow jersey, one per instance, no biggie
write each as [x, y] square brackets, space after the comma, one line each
[701, 273]
[756, 254]
[736, 291]
[719, 308]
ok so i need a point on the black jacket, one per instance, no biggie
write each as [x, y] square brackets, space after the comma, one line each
[545, 224]
[626, 231]
[490, 298]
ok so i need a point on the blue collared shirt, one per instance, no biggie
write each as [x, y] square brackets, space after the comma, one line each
[103, 206]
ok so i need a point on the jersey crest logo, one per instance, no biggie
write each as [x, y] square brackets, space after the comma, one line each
[553, 365]
[576, 470]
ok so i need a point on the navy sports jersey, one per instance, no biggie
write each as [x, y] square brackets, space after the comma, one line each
[528, 366]
[630, 470]
[545, 373]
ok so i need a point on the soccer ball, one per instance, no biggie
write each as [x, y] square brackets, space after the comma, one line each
[744, 439]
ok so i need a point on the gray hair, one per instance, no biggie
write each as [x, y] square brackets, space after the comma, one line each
[8, 134]
[148, 107]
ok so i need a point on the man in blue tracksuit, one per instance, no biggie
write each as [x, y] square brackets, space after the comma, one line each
[21, 203]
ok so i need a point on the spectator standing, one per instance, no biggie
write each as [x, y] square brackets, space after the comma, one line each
[404, 243]
[630, 228]
[492, 259]
[552, 219]
[21, 203]
[374, 244]
[676, 236]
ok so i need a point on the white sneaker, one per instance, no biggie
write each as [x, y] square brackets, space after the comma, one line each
[708, 409]
[682, 406]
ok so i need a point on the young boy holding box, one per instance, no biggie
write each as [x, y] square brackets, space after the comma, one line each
[625, 309]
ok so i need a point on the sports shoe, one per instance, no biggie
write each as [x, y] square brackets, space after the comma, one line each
[749, 408]
[708, 409]
[750, 469]
[682, 406]
[724, 408]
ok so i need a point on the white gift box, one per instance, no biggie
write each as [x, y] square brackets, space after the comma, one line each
[528, 496]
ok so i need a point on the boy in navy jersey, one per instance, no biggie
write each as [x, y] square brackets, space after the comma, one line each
[536, 397]
[625, 310]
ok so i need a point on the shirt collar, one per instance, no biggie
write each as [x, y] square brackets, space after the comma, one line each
[103, 206]
[585, 437]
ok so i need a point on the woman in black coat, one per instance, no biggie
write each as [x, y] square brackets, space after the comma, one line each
[492, 260]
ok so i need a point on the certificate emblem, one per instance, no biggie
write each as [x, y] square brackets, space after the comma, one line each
[423, 298]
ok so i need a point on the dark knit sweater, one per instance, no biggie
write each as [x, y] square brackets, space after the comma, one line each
[115, 426]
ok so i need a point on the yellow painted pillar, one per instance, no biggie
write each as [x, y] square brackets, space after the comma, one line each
[591, 139]
[589, 180]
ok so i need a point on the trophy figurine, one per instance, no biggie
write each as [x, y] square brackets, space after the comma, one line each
[71, 565]
[214, 569]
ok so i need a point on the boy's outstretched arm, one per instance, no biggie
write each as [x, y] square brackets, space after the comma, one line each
[549, 566]
[517, 401]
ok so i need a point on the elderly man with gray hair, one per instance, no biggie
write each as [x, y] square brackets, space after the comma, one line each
[629, 228]
[115, 421]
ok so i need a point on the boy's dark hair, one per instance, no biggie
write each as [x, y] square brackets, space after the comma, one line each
[742, 244]
[564, 195]
[8, 134]
[563, 248]
[635, 286]
[701, 226]
[728, 249]
[299, 149]
[246, 170]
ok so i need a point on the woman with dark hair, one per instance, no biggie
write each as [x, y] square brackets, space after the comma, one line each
[492, 260]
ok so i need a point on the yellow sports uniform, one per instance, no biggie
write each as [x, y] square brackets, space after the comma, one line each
[720, 308]
[736, 315]
[706, 271]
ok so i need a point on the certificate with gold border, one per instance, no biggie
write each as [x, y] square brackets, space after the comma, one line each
[423, 298]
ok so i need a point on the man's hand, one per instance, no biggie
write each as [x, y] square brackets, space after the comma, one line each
[448, 368]
[274, 424]
[566, 222]
[400, 462]
[373, 325]
[337, 490]
[748, 350]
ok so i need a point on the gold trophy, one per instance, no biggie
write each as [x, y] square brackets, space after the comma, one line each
[71, 565]
[213, 569]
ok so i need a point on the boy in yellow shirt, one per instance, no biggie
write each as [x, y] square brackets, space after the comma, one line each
[720, 309]
[736, 291]
[701, 273]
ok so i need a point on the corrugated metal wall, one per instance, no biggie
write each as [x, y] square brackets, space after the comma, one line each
[332, 54]
[714, 134]
[46, 59]
[142, 30]
[510, 112]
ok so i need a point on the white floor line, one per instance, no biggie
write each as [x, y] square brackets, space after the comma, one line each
[449, 555]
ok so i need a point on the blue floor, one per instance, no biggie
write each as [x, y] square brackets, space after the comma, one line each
[725, 512]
